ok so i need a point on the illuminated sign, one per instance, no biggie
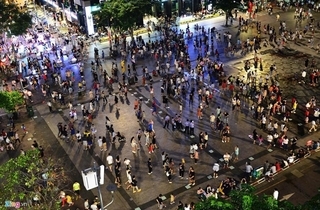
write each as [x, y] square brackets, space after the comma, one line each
[89, 18]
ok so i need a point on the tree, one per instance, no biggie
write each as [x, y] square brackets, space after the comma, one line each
[227, 6]
[123, 14]
[29, 176]
[13, 19]
[246, 199]
[10, 100]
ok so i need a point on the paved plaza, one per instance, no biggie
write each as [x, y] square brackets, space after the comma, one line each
[175, 143]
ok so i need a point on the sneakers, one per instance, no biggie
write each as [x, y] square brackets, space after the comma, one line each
[134, 191]
[150, 173]
[139, 190]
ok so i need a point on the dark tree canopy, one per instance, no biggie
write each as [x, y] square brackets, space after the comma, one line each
[13, 20]
[29, 176]
[227, 6]
[10, 100]
[246, 198]
[123, 14]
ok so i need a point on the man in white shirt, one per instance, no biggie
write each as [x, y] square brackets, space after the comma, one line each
[275, 194]
[94, 206]
[215, 169]
[249, 170]
[110, 161]
[304, 74]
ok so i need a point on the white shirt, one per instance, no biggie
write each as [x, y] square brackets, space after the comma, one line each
[94, 207]
[273, 169]
[212, 118]
[216, 167]
[110, 160]
[275, 194]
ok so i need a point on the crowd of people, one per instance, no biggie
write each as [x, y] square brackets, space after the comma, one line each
[171, 56]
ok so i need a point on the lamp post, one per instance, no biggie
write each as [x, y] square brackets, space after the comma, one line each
[93, 178]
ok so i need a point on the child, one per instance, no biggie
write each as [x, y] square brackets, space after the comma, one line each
[260, 140]
[23, 127]
[151, 148]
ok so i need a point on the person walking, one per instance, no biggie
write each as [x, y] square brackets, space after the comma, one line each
[134, 145]
[275, 194]
[192, 180]
[110, 161]
[134, 185]
[249, 170]
[49, 103]
[181, 170]
[196, 156]
[149, 166]
[236, 153]
[215, 169]
[76, 188]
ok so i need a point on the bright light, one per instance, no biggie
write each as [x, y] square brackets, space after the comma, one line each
[54, 4]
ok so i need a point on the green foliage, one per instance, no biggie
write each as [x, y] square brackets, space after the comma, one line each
[9, 100]
[13, 20]
[21, 179]
[213, 203]
[312, 204]
[122, 14]
[246, 199]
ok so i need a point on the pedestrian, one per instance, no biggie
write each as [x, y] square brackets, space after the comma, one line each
[168, 174]
[249, 170]
[166, 121]
[147, 135]
[254, 136]
[160, 202]
[110, 162]
[192, 180]
[236, 153]
[129, 179]
[313, 126]
[126, 162]
[172, 198]
[23, 127]
[149, 166]
[260, 140]
[139, 134]
[275, 194]
[226, 158]
[215, 169]
[196, 156]
[49, 105]
[118, 175]
[100, 143]
[134, 185]
[17, 138]
[76, 188]
[134, 145]
[181, 170]
[86, 204]
[104, 143]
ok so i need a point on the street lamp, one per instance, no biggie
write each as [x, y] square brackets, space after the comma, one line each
[93, 178]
